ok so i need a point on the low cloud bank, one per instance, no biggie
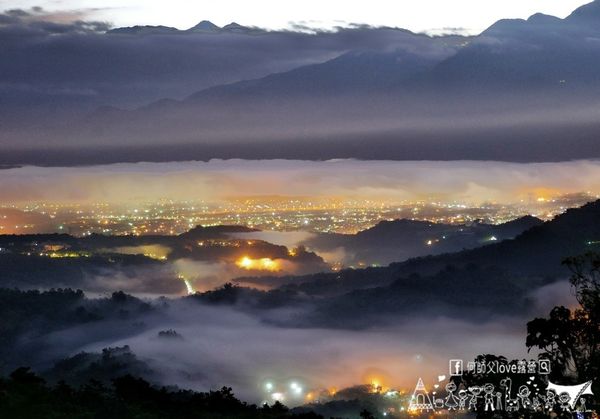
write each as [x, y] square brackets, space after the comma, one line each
[221, 180]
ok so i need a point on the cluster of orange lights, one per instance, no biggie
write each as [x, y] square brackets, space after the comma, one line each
[263, 264]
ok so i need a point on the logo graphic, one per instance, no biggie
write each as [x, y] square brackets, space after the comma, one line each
[544, 366]
[573, 392]
[420, 398]
[503, 397]
[455, 367]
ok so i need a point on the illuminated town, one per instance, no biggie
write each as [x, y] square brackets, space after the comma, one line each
[166, 217]
[388, 400]
[328, 210]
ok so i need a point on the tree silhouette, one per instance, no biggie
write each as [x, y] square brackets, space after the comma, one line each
[365, 414]
[24, 395]
[571, 338]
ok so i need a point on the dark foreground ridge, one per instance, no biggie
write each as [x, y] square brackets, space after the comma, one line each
[26, 395]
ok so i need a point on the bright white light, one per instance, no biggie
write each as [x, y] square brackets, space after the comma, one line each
[278, 397]
[296, 388]
[269, 386]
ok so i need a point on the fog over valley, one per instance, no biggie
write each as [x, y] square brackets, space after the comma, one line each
[309, 210]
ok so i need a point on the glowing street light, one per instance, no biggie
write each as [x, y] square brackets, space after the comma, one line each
[296, 389]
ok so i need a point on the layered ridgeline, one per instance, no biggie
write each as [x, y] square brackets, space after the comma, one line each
[537, 251]
[398, 240]
[499, 277]
[153, 263]
[360, 92]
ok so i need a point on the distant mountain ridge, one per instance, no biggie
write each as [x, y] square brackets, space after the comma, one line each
[501, 278]
[205, 26]
[534, 257]
[513, 68]
[392, 68]
[588, 14]
[513, 93]
[398, 240]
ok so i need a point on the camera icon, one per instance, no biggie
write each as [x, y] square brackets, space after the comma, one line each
[544, 366]
[455, 367]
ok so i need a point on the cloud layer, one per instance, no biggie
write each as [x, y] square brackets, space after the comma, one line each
[414, 15]
[210, 354]
[52, 58]
[221, 180]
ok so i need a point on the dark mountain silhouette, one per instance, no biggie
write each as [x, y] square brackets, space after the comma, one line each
[211, 232]
[453, 292]
[390, 230]
[538, 251]
[407, 101]
[533, 257]
[514, 93]
[510, 51]
[515, 227]
[205, 26]
[144, 30]
[26, 395]
[351, 73]
[234, 27]
[149, 263]
[498, 278]
[540, 52]
[398, 240]
[587, 14]
[21, 241]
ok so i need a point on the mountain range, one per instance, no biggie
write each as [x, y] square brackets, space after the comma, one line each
[204, 26]
[495, 277]
[529, 260]
[515, 92]
[399, 240]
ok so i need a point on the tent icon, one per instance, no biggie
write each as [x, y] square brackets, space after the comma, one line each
[420, 398]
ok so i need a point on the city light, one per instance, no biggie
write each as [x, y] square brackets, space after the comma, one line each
[263, 264]
[188, 284]
[296, 388]
[245, 263]
[278, 397]
[325, 215]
